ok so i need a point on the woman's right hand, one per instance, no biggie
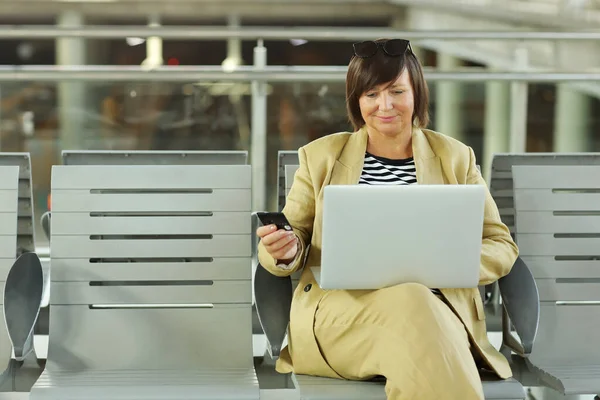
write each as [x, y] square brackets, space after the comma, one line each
[282, 245]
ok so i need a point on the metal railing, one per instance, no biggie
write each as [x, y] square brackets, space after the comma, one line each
[276, 33]
[267, 73]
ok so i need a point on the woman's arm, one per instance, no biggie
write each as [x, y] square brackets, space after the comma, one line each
[300, 212]
[498, 251]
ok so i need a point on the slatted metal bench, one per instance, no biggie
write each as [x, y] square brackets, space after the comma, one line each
[151, 283]
[557, 212]
[9, 191]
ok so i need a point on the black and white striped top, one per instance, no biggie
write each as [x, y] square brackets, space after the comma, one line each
[385, 171]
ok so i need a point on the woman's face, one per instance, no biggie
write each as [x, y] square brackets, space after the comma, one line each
[388, 108]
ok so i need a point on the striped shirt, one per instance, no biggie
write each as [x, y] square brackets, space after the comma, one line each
[384, 171]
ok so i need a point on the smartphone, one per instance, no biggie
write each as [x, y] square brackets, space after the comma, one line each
[276, 218]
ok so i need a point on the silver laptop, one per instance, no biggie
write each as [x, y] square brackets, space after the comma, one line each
[379, 236]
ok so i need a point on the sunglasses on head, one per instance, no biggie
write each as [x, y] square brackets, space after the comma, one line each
[392, 47]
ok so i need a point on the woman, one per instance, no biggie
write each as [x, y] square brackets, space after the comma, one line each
[428, 344]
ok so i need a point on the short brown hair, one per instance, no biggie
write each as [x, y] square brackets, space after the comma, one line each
[366, 73]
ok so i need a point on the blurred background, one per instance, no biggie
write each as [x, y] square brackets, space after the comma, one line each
[268, 75]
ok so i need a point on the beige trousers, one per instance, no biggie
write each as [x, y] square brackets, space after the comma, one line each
[404, 333]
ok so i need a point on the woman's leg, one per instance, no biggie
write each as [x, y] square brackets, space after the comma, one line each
[404, 333]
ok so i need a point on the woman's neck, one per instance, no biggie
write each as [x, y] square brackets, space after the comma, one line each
[392, 147]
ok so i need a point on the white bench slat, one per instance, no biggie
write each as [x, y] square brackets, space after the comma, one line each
[219, 200]
[9, 178]
[8, 201]
[535, 244]
[548, 267]
[8, 223]
[547, 222]
[81, 270]
[8, 244]
[546, 200]
[76, 293]
[217, 223]
[118, 339]
[66, 246]
[151, 177]
[557, 177]
[550, 290]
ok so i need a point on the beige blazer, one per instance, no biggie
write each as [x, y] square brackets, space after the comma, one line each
[338, 159]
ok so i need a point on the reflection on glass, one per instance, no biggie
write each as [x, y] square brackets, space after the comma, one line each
[120, 116]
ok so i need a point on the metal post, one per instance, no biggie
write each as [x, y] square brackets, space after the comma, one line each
[258, 152]
[518, 106]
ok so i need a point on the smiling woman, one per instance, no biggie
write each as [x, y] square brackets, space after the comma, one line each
[428, 343]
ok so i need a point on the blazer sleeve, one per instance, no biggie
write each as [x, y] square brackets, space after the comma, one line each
[498, 251]
[300, 212]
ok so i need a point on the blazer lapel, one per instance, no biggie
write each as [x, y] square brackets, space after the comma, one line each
[427, 163]
[349, 165]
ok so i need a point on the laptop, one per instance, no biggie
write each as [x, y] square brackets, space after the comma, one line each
[380, 236]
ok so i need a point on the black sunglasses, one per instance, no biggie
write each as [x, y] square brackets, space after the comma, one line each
[392, 47]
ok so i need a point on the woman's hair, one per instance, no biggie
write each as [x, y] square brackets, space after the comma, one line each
[366, 73]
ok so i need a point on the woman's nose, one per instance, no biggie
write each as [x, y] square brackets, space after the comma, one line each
[385, 102]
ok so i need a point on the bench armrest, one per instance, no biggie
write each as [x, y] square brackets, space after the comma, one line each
[521, 308]
[23, 292]
[273, 296]
[45, 220]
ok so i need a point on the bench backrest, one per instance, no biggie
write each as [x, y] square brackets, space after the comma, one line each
[109, 157]
[285, 159]
[9, 193]
[501, 181]
[25, 227]
[151, 267]
[558, 225]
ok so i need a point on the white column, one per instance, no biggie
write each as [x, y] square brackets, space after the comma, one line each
[497, 122]
[234, 46]
[72, 99]
[571, 120]
[519, 100]
[231, 63]
[449, 100]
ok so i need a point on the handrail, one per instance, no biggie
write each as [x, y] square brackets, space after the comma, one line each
[275, 33]
[269, 74]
